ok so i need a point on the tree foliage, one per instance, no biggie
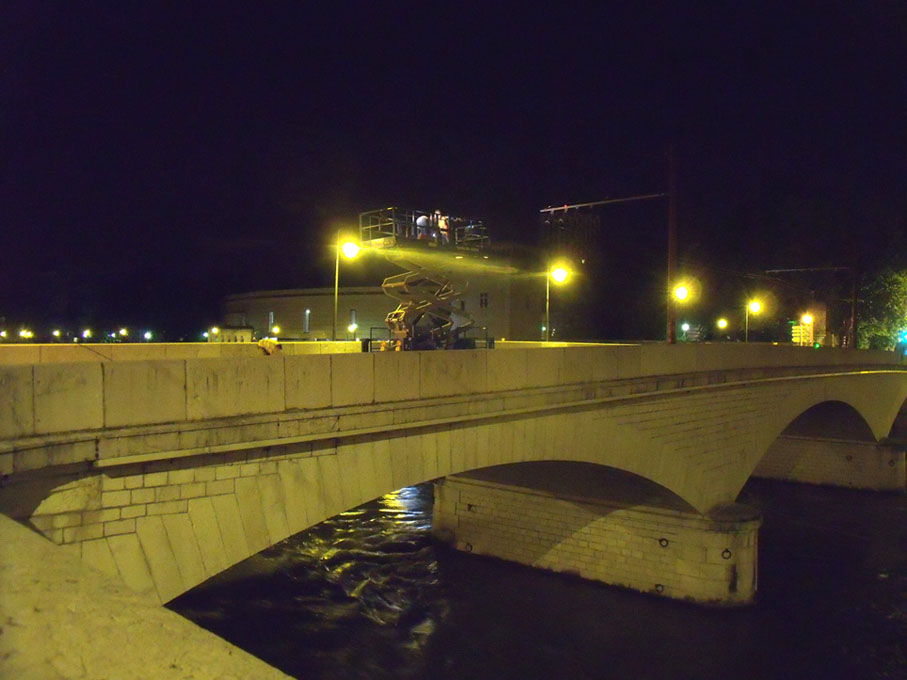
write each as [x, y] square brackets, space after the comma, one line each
[883, 310]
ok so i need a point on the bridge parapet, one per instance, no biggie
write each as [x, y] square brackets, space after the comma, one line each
[63, 413]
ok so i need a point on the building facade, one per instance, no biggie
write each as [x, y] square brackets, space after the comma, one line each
[503, 306]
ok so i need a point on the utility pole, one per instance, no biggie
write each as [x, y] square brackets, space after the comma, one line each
[672, 247]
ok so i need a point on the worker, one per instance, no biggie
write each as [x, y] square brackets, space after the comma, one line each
[422, 227]
[444, 228]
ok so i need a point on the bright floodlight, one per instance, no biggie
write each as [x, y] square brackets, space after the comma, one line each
[215, 330]
[755, 307]
[352, 327]
[681, 293]
[86, 333]
[685, 327]
[56, 332]
[275, 330]
[23, 333]
[2, 334]
[722, 323]
[806, 319]
[350, 249]
[147, 335]
[124, 332]
[559, 274]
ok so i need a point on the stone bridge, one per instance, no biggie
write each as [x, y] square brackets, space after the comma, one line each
[165, 467]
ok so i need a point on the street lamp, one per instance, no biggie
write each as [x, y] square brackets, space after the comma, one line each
[807, 320]
[752, 307]
[681, 293]
[350, 249]
[559, 273]
[721, 323]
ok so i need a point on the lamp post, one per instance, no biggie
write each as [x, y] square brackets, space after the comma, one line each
[559, 274]
[755, 307]
[350, 250]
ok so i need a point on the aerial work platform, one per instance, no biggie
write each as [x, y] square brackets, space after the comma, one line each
[389, 227]
[429, 313]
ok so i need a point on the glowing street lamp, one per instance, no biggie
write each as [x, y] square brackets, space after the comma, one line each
[275, 330]
[559, 274]
[681, 293]
[350, 250]
[56, 332]
[721, 323]
[807, 320]
[124, 332]
[86, 333]
[752, 307]
[148, 335]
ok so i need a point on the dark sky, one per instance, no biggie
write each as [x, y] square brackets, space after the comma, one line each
[156, 156]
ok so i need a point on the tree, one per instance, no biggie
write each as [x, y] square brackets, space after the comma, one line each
[883, 310]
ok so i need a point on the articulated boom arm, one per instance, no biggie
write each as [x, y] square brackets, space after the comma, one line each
[425, 295]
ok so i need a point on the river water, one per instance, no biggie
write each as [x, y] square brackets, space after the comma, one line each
[367, 594]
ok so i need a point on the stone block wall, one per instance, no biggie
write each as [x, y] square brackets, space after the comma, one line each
[858, 465]
[670, 553]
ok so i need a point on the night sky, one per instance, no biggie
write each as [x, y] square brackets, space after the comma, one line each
[157, 156]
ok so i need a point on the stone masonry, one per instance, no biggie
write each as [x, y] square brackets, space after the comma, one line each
[661, 548]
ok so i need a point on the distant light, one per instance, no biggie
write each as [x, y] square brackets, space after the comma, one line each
[56, 332]
[722, 323]
[2, 334]
[275, 330]
[215, 330]
[113, 335]
[544, 329]
[685, 327]
[350, 249]
[458, 257]
[147, 335]
[86, 333]
[806, 319]
[681, 292]
[25, 333]
[124, 332]
[205, 334]
[352, 327]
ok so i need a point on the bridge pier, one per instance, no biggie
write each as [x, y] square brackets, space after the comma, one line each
[835, 462]
[602, 525]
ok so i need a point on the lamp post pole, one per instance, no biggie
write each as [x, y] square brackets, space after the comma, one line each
[746, 323]
[336, 288]
[547, 299]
